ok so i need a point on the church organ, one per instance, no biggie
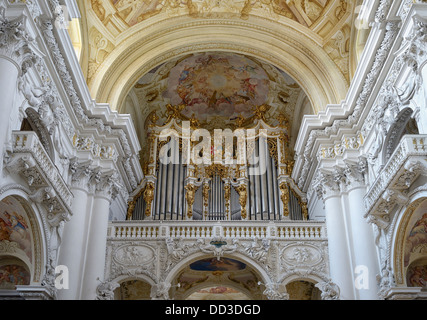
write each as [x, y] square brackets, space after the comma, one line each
[240, 175]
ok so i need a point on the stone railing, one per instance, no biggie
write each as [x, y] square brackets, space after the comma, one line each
[158, 248]
[405, 165]
[30, 160]
[280, 230]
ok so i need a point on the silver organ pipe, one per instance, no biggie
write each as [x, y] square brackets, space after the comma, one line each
[264, 188]
[264, 194]
[235, 209]
[216, 209]
[263, 177]
[198, 205]
[169, 194]
[276, 192]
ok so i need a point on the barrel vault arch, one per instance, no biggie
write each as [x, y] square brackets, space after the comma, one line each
[291, 50]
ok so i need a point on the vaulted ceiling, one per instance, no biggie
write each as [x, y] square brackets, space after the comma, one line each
[296, 55]
[216, 88]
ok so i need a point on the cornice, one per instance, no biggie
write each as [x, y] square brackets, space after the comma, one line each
[354, 116]
[82, 108]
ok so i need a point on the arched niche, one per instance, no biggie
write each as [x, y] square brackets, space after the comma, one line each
[403, 124]
[13, 272]
[416, 273]
[133, 289]
[33, 123]
[203, 277]
[410, 249]
[20, 236]
[303, 290]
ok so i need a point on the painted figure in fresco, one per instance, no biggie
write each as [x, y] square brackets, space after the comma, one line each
[418, 277]
[5, 230]
[417, 236]
[13, 225]
[13, 274]
[215, 84]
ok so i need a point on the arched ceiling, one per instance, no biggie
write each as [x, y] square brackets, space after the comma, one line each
[308, 39]
[216, 88]
[217, 57]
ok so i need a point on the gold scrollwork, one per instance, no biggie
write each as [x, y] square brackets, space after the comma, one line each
[242, 190]
[284, 196]
[190, 196]
[148, 197]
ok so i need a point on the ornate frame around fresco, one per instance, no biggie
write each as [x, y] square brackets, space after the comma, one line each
[399, 243]
[36, 221]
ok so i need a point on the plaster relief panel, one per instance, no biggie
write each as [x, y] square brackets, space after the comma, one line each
[301, 254]
[134, 255]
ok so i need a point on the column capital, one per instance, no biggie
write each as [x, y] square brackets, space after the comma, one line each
[15, 42]
[330, 290]
[106, 184]
[272, 292]
[94, 179]
[355, 174]
[80, 173]
[326, 184]
[160, 291]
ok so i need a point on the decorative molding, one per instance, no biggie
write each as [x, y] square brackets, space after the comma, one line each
[29, 159]
[392, 29]
[47, 31]
[402, 169]
[330, 290]
[15, 42]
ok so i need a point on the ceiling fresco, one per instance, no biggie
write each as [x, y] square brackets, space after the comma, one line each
[110, 23]
[214, 264]
[216, 88]
[212, 84]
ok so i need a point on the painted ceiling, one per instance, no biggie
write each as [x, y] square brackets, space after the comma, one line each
[216, 88]
[212, 84]
[111, 22]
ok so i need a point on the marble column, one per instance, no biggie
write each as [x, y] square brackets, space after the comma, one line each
[365, 267]
[327, 185]
[72, 249]
[97, 241]
[16, 57]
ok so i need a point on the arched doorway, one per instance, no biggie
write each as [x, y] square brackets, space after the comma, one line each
[16, 243]
[217, 278]
[303, 290]
[133, 289]
[411, 246]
